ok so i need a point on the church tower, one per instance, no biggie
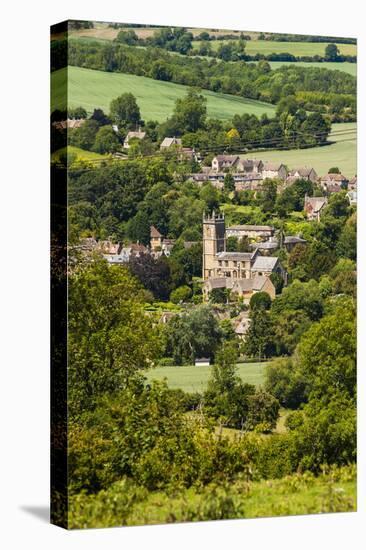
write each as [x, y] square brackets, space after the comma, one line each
[213, 242]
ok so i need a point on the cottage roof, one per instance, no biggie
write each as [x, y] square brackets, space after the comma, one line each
[219, 282]
[265, 263]
[139, 135]
[168, 141]
[274, 167]
[353, 181]
[231, 159]
[294, 239]
[316, 203]
[303, 171]
[266, 245]
[259, 281]
[334, 177]
[154, 233]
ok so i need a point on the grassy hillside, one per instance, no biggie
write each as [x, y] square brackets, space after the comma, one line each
[156, 99]
[342, 153]
[349, 68]
[266, 47]
[292, 495]
[191, 378]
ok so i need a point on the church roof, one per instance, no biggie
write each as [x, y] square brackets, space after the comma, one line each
[265, 263]
[236, 256]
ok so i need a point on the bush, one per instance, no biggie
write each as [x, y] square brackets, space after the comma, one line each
[260, 300]
[181, 294]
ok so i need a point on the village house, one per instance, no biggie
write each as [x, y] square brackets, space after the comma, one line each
[170, 142]
[249, 166]
[266, 247]
[241, 324]
[304, 173]
[133, 135]
[332, 183]
[159, 245]
[222, 269]
[126, 253]
[314, 207]
[253, 232]
[273, 170]
[224, 162]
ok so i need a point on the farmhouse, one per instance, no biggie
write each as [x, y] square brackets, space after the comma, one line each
[133, 135]
[271, 170]
[314, 207]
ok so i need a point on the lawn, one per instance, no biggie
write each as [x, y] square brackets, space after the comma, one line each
[192, 379]
[342, 153]
[267, 47]
[349, 68]
[91, 89]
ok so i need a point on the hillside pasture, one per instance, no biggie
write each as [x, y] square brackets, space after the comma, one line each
[194, 379]
[91, 89]
[299, 49]
[345, 67]
[341, 153]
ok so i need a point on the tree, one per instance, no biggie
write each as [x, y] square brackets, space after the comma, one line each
[124, 110]
[259, 338]
[181, 294]
[194, 334]
[260, 300]
[285, 383]
[154, 274]
[327, 351]
[268, 195]
[110, 339]
[226, 397]
[263, 411]
[210, 196]
[100, 117]
[334, 170]
[84, 137]
[331, 52]
[106, 141]
[190, 111]
[229, 183]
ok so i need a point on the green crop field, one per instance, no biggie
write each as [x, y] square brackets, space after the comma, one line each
[342, 153]
[91, 89]
[349, 68]
[192, 379]
[266, 47]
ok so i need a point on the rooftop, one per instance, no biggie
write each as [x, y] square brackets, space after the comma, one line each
[265, 263]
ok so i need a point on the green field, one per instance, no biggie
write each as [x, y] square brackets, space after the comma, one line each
[349, 68]
[266, 47]
[80, 153]
[91, 89]
[343, 153]
[192, 379]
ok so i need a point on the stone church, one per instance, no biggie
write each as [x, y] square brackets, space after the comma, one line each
[243, 273]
